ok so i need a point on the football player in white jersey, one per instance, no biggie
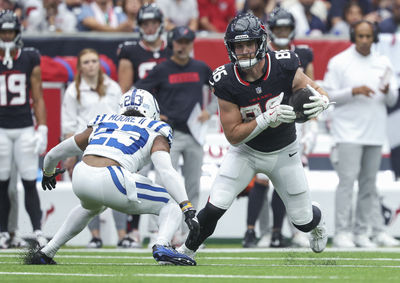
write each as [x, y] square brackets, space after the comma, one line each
[115, 148]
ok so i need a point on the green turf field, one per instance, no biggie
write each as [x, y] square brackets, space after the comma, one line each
[214, 265]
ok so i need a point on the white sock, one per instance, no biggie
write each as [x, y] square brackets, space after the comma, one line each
[75, 222]
[169, 220]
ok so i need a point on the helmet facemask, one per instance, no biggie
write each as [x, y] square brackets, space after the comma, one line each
[10, 22]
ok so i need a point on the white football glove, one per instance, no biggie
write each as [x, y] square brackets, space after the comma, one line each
[40, 139]
[276, 114]
[321, 103]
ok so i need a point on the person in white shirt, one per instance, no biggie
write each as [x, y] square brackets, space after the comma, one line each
[359, 81]
[91, 93]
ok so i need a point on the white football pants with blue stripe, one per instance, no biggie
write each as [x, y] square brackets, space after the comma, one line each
[101, 187]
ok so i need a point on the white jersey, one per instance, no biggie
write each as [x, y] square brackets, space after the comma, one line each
[125, 139]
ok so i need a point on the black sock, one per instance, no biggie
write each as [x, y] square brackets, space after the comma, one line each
[4, 205]
[32, 204]
[256, 202]
[278, 211]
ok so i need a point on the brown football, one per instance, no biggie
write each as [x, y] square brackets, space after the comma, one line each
[297, 100]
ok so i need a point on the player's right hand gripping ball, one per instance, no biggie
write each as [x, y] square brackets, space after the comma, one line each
[297, 101]
[49, 180]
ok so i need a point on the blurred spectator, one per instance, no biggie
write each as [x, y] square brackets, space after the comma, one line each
[307, 22]
[337, 7]
[43, 18]
[257, 8]
[392, 24]
[67, 16]
[352, 13]
[179, 13]
[215, 15]
[100, 15]
[131, 9]
[361, 82]
[91, 93]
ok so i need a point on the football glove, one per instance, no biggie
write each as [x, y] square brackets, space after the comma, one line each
[276, 113]
[190, 218]
[49, 180]
[321, 103]
[40, 139]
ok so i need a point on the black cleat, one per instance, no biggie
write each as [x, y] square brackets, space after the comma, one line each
[168, 255]
[250, 240]
[34, 256]
[279, 241]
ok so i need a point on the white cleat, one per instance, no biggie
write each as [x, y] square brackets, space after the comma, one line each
[318, 236]
[265, 241]
[300, 240]
[184, 250]
[343, 240]
[385, 240]
[4, 240]
[362, 241]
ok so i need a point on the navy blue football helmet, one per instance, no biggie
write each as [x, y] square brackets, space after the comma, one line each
[150, 12]
[246, 27]
[9, 21]
[279, 18]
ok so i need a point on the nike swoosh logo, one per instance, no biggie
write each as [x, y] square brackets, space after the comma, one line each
[291, 154]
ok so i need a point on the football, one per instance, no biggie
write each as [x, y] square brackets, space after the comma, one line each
[297, 100]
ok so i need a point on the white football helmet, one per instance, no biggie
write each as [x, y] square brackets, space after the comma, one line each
[141, 101]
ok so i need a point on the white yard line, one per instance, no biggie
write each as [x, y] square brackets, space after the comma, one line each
[58, 274]
[223, 250]
[226, 264]
[221, 258]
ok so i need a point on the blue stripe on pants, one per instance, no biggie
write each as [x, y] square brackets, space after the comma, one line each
[154, 189]
[116, 180]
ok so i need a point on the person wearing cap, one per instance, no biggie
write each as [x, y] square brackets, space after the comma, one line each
[177, 84]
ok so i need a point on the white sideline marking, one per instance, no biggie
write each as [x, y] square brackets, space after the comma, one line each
[222, 264]
[176, 275]
[238, 276]
[223, 258]
[57, 274]
[223, 250]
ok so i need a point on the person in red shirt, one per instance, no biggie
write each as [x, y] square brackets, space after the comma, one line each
[214, 15]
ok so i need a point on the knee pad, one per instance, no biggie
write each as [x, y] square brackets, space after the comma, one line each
[314, 222]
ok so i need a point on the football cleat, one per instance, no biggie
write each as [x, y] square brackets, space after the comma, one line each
[318, 236]
[250, 240]
[168, 255]
[35, 256]
[95, 243]
[127, 242]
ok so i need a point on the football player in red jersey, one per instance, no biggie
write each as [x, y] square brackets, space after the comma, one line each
[253, 91]
[137, 58]
[20, 75]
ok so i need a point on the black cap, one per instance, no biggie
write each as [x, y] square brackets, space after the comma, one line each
[182, 32]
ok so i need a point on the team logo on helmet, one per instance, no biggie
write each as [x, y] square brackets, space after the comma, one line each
[141, 101]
